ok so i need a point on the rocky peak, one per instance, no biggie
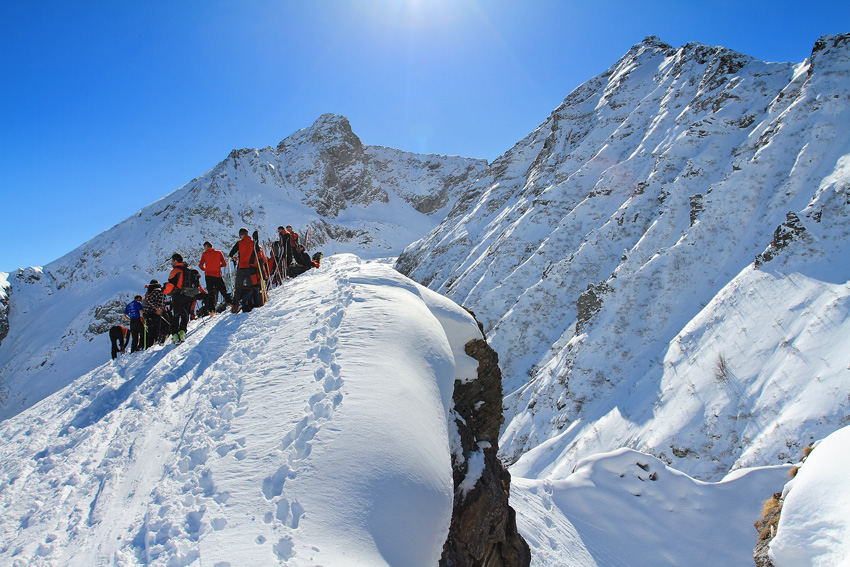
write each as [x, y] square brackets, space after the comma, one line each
[831, 48]
[332, 134]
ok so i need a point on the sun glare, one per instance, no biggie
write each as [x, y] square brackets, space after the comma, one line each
[418, 14]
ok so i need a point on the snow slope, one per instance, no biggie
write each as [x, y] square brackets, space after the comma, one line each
[311, 431]
[352, 198]
[611, 256]
[628, 509]
[814, 528]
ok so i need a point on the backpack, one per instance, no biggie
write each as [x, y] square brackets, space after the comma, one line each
[317, 256]
[191, 282]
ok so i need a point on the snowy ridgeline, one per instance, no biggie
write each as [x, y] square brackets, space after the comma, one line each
[311, 431]
[611, 256]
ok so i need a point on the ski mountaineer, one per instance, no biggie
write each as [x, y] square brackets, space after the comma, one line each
[180, 304]
[134, 313]
[212, 261]
[119, 337]
[260, 278]
[293, 241]
[288, 239]
[154, 304]
[245, 258]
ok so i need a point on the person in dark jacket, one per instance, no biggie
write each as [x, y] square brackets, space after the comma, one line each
[303, 262]
[134, 313]
[119, 337]
[154, 305]
[181, 304]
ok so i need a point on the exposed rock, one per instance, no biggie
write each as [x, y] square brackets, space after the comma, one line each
[589, 303]
[483, 531]
[792, 229]
[766, 527]
[4, 311]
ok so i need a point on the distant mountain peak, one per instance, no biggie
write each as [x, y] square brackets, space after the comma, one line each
[656, 42]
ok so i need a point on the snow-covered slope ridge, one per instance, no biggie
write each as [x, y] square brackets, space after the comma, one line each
[310, 431]
[628, 508]
[814, 527]
[356, 198]
[610, 257]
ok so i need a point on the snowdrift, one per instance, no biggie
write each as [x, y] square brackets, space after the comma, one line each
[814, 528]
[310, 431]
[628, 508]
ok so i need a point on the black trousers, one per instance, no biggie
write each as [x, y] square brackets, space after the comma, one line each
[181, 305]
[214, 286]
[154, 324]
[137, 332]
[118, 340]
[243, 284]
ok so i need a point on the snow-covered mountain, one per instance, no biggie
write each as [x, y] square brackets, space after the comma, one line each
[353, 198]
[662, 267]
[612, 257]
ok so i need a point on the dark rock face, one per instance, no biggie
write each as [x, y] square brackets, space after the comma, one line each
[786, 233]
[4, 314]
[483, 531]
[589, 304]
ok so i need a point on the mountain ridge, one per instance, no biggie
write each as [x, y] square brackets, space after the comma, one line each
[587, 247]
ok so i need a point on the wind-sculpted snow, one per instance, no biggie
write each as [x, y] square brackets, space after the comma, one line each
[814, 528]
[354, 198]
[600, 249]
[310, 431]
[628, 508]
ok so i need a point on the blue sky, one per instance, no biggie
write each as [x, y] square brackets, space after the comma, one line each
[107, 106]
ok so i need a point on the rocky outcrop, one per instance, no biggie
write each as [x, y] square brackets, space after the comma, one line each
[786, 233]
[766, 527]
[483, 531]
[4, 309]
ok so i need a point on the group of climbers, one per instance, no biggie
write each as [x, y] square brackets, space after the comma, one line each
[164, 311]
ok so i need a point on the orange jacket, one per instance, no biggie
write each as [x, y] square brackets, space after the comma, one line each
[212, 261]
[245, 250]
[175, 279]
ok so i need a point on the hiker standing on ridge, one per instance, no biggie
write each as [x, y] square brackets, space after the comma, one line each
[119, 337]
[212, 261]
[293, 244]
[243, 255]
[154, 304]
[180, 303]
[133, 313]
[288, 240]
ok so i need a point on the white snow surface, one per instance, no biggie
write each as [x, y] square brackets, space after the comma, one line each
[814, 527]
[311, 431]
[628, 509]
